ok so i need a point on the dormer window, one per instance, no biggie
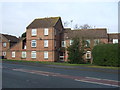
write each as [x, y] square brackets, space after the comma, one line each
[46, 31]
[34, 32]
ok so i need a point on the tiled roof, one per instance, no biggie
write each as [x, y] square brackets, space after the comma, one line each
[86, 33]
[43, 22]
[114, 35]
[11, 38]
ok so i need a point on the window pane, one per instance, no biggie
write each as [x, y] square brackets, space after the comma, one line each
[13, 54]
[33, 54]
[63, 44]
[115, 40]
[46, 55]
[33, 43]
[23, 54]
[46, 31]
[71, 41]
[4, 53]
[45, 43]
[87, 43]
[34, 32]
[4, 44]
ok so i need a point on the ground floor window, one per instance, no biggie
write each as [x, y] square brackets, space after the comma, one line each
[4, 53]
[88, 55]
[46, 55]
[33, 54]
[23, 54]
[13, 54]
[115, 41]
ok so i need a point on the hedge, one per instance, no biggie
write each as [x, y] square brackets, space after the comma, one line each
[106, 55]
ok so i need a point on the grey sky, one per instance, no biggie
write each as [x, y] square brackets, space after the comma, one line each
[17, 16]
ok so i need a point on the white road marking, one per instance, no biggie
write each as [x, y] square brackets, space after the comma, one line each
[102, 79]
[96, 82]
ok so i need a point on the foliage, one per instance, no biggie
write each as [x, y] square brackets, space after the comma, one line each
[106, 55]
[75, 51]
[23, 35]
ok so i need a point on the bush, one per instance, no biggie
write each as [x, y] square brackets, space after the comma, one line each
[106, 55]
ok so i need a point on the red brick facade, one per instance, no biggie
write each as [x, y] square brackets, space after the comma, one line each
[24, 50]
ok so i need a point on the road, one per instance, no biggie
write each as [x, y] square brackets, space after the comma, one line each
[53, 76]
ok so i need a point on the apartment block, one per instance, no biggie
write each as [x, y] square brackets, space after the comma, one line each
[47, 40]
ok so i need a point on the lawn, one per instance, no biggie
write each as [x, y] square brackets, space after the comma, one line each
[64, 63]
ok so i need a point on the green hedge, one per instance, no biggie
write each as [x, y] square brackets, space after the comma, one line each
[106, 55]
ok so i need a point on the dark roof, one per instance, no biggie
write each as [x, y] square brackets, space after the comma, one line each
[86, 33]
[114, 35]
[43, 22]
[11, 38]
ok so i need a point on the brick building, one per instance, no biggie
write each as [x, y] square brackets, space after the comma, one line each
[6, 42]
[42, 41]
[46, 40]
[92, 37]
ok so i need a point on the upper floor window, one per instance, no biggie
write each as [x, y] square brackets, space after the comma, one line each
[45, 54]
[115, 41]
[71, 41]
[96, 42]
[33, 54]
[46, 31]
[4, 44]
[34, 32]
[33, 43]
[13, 54]
[63, 44]
[87, 43]
[45, 43]
[23, 54]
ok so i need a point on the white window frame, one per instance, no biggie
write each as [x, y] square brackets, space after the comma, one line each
[13, 54]
[45, 54]
[33, 54]
[88, 52]
[34, 32]
[45, 43]
[46, 31]
[115, 41]
[33, 41]
[4, 53]
[63, 44]
[97, 41]
[4, 44]
[23, 54]
[88, 40]
[71, 41]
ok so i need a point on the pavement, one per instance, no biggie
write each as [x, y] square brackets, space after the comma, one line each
[35, 75]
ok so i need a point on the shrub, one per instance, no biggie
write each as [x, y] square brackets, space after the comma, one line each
[106, 55]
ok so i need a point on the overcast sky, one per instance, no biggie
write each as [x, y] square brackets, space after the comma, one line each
[16, 16]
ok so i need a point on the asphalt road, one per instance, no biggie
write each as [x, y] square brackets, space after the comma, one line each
[53, 76]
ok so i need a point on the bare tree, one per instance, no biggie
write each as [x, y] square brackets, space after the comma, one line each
[65, 24]
[76, 26]
[85, 26]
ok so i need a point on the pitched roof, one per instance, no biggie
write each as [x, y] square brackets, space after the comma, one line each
[86, 33]
[114, 35]
[43, 22]
[11, 38]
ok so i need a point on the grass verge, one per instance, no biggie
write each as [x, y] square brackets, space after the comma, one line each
[65, 64]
